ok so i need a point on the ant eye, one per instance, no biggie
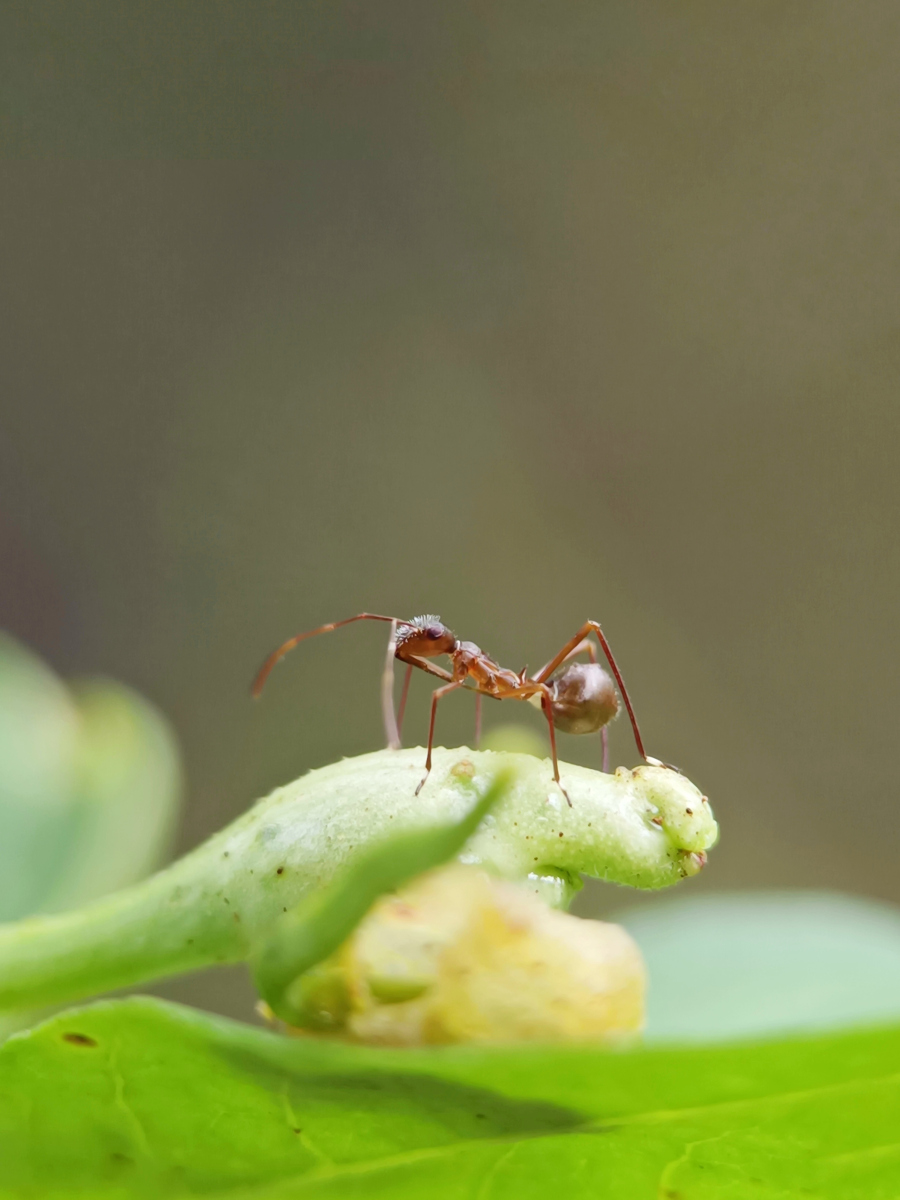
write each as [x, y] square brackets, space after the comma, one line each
[434, 632]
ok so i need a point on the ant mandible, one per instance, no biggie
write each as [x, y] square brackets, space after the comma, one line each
[580, 699]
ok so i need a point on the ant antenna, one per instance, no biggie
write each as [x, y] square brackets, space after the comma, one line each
[277, 655]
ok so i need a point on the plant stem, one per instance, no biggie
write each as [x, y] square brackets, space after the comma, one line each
[647, 828]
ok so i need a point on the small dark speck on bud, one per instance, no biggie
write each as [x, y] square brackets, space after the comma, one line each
[657, 820]
[280, 871]
[560, 833]
[78, 1039]
[689, 811]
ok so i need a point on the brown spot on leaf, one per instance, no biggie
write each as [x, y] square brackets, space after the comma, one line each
[78, 1039]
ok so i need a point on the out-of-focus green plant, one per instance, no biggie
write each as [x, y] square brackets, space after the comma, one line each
[648, 828]
[138, 1098]
[90, 784]
[759, 964]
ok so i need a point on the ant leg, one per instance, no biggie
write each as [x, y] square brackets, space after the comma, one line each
[425, 665]
[547, 706]
[585, 646]
[477, 719]
[277, 655]
[441, 691]
[604, 739]
[587, 628]
[404, 694]
[391, 732]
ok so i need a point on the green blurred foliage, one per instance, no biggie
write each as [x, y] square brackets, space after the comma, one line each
[754, 964]
[90, 787]
[38, 779]
[517, 739]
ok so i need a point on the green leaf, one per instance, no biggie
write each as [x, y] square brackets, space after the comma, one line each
[746, 964]
[38, 744]
[89, 787]
[127, 788]
[141, 1098]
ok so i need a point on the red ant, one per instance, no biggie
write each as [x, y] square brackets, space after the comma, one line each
[580, 699]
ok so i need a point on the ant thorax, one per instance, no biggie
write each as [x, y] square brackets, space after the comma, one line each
[469, 659]
[468, 651]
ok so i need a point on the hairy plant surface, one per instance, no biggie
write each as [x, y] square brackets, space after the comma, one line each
[648, 828]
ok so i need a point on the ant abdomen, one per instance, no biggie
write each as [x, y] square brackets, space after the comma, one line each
[584, 698]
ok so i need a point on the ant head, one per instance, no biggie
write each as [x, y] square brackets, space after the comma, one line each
[425, 637]
[584, 698]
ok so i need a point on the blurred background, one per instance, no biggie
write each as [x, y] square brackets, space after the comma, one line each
[516, 313]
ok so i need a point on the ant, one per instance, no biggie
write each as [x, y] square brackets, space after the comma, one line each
[580, 699]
